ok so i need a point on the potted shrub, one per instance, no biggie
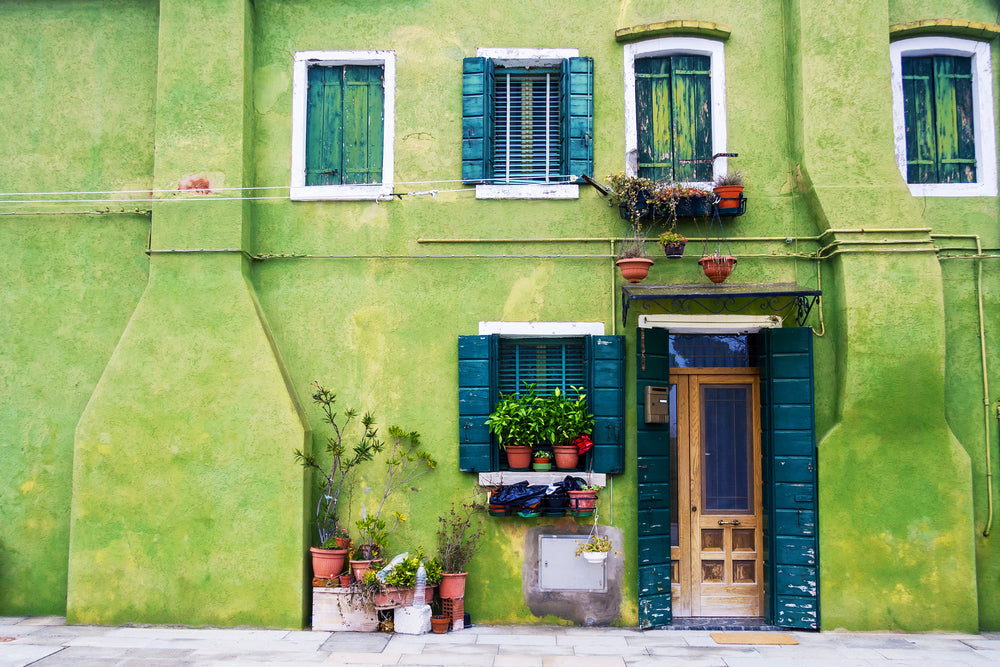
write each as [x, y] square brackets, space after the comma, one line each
[728, 188]
[329, 557]
[569, 421]
[673, 243]
[542, 461]
[459, 533]
[404, 463]
[399, 581]
[516, 422]
[595, 550]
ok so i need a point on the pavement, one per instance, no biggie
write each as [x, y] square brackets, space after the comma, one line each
[49, 641]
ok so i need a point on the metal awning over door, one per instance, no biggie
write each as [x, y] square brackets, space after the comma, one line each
[785, 299]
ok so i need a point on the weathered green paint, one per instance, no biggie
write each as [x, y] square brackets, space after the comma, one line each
[194, 398]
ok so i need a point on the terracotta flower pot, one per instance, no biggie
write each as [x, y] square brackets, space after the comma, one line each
[439, 624]
[452, 585]
[327, 563]
[342, 542]
[717, 267]
[634, 269]
[729, 195]
[359, 567]
[518, 458]
[393, 597]
[582, 503]
[345, 580]
[566, 457]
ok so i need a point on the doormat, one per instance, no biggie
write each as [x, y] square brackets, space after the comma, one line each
[777, 638]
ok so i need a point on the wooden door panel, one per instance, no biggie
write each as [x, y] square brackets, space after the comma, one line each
[726, 546]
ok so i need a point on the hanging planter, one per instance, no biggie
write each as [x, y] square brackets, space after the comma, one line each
[595, 556]
[673, 244]
[717, 267]
[634, 269]
[729, 190]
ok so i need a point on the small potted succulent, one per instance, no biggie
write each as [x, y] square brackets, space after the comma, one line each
[542, 461]
[673, 243]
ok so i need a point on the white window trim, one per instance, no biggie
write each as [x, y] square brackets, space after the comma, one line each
[667, 46]
[985, 132]
[528, 58]
[542, 328]
[300, 83]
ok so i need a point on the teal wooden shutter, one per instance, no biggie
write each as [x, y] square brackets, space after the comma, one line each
[345, 122]
[953, 108]
[918, 112]
[364, 122]
[475, 378]
[324, 138]
[691, 97]
[791, 535]
[653, 125]
[577, 114]
[477, 113]
[606, 398]
[653, 468]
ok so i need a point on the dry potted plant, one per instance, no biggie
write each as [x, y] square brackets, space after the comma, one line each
[728, 187]
[459, 533]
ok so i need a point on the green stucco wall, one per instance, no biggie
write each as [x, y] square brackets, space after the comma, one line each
[181, 479]
[77, 114]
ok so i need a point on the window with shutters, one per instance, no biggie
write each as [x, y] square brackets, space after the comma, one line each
[502, 362]
[943, 116]
[342, 120]
[675, 109]
[527, 123]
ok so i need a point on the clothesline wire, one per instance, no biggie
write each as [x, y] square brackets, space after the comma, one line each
[240, 189]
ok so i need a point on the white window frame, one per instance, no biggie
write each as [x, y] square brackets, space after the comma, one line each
[299, 191]
[667, 46]
[504, 57]
[985, 132]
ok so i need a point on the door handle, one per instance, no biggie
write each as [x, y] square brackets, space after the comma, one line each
[734, 522]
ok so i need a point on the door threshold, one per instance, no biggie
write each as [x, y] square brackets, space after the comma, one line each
[725, 624]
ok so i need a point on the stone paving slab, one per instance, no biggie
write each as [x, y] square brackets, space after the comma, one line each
[48, 641]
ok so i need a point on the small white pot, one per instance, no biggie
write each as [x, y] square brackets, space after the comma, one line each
[595, 556]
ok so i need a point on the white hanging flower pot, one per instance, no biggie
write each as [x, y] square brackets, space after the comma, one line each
[595, 556]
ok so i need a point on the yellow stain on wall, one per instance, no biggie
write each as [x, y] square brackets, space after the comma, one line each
[27, 487]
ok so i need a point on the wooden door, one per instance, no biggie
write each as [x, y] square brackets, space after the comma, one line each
[717, 551]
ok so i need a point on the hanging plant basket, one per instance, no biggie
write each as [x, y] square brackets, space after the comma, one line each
[595, 556]
[634, 269]
[674, 249]
[717, 267]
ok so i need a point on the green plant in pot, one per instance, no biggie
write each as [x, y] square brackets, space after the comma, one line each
[541, 460]
[595, 549]
[566, 420]
[673, 243]
[459, 534]
[516, 422]
[671, 200]
[339, 463]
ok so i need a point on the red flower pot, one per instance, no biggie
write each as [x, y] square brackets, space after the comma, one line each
[518, 458]
[328, 563]
[634, 269]
[717, 267]
[452, 585]
[729, 195]
[566, 457]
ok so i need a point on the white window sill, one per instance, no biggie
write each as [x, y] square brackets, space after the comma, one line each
[953, 189]
[340, 192]
[560, 191]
